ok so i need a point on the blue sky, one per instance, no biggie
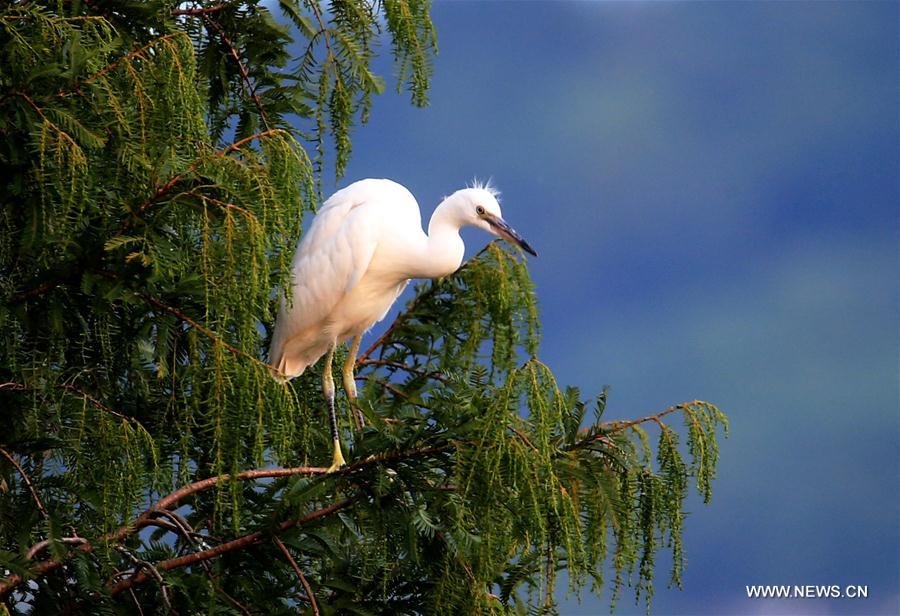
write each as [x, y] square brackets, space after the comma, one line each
[713, 190]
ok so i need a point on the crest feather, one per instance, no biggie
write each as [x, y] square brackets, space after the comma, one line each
[488, 186]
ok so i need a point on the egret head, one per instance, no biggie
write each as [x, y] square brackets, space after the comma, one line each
[480, 208]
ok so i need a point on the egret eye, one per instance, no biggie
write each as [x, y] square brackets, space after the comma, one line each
[479, 210]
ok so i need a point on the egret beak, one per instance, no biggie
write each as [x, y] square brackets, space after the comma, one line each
[502, 229]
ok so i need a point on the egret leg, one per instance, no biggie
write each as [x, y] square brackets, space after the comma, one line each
[350, 382]
[337, 459]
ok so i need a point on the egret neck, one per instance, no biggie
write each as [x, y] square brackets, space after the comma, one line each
[444, 248]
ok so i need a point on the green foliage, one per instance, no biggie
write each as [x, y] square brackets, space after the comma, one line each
[155, 191]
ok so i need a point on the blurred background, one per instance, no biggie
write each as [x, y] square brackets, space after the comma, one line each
[713, 190]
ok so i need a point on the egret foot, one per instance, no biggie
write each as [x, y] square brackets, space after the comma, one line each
[337, 459]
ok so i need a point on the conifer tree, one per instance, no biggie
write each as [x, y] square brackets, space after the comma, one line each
[158, 160]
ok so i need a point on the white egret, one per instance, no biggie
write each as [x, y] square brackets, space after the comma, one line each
[364, 245]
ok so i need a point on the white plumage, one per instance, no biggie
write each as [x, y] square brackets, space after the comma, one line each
[333, 299]
[364, 245]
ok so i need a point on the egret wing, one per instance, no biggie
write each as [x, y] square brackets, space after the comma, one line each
[330, 260]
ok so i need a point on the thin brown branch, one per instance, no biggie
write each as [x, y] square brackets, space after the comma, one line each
[167, 187]
[137, 603]
[310, 597]
[549, 570]
[391, 457]
[80, 393]
[38, 290]
[237, 144]
[218, 202]
[237, 604]
[314, 6]
[395, 364]
[143, 565]
[522, 437]
[202, 329]
[245, 76]
[200, 11]
[396, 323]
[86, 396]
[230, 546]
[31, 104]
[62, 134]
[156, 196]
[179, 525]
[390, 388]
[114, 65]
[619, 425]
[172, 499]
[26, 481]
[209, 333]
[43, 545]
[146, 519]
[176, 523]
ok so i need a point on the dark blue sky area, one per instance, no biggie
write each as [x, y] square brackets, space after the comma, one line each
[713, 189]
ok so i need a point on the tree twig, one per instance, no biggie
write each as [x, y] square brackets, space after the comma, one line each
[147, 518]
[245, 76]
[314, 6]
[143, 565]
[42, 545]
[310, 597]
[395, 364]
[388, 387]
[237, 144]
[200, 10]
[172, 499]
[38, 290]
[202, 329]
[74, 390]
[113, 65]
[619, 425]
[27, 482]
[523, 437]
[230, 546]
[167, 187]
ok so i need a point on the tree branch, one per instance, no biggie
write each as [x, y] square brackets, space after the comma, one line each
[314, 6]
[147, 518]
[140, 567]
[172, 499]
[394, 364]
[76, 87]
[167, 187]
[39, 290]
[310, 597]
[27, 482]
[388, 387]
[42, 545]
[237, 144]
[619, 425]
[200, 11]
[245, 76]
[60, 132]
[231, 546]
[202, 329]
